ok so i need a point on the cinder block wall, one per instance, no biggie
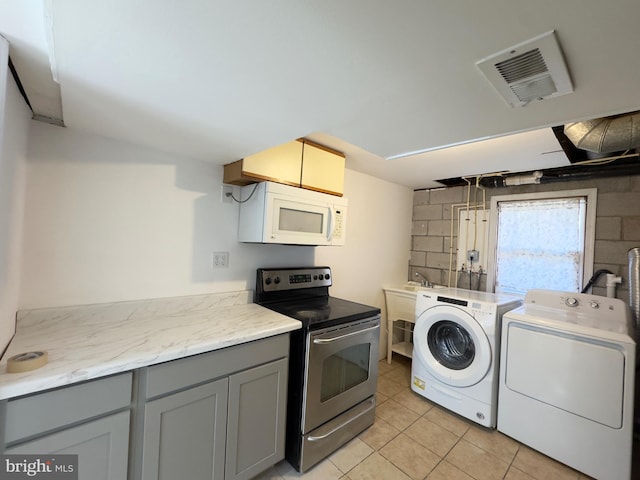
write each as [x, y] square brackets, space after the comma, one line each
[617, 227]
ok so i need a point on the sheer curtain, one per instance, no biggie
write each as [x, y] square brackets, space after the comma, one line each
[540, 244]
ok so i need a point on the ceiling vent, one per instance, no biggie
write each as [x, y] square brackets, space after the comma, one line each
[532, 70]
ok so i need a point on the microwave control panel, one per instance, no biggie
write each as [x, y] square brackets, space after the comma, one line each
[339, 222]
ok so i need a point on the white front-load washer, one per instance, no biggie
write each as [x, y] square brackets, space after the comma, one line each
[567, 380]
[456, 347]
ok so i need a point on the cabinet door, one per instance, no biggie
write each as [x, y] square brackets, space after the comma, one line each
[256, 424]
[184, 434]
[102, 447]
[322, 170]
[280, 164]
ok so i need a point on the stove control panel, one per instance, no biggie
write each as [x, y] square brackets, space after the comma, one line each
[281, 279]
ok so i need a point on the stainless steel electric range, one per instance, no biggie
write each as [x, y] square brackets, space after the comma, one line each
[333, 362]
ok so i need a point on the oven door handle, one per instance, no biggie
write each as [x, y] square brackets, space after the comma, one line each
[343, 424]
[322, 341]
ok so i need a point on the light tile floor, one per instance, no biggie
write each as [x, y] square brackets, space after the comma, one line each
[413, 438]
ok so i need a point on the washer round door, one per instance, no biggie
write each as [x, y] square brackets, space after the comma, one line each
[452, 345]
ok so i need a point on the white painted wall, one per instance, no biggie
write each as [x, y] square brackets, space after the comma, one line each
[14, 126]
[378, 244]
[109, 221]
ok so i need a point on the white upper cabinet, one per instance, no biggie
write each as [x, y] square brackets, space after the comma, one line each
[299, 163]
[322, 169]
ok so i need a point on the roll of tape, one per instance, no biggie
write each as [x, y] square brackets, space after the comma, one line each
[24, 362]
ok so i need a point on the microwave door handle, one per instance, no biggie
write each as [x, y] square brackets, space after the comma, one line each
[332, 224]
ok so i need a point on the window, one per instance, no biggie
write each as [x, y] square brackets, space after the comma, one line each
[542, 240]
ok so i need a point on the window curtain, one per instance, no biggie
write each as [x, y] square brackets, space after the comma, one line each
[540, 245]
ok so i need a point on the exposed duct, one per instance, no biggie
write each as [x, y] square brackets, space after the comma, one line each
[527, 179]
[621, 168]
[605, 135]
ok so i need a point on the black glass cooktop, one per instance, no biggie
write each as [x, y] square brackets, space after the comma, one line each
[322, 312]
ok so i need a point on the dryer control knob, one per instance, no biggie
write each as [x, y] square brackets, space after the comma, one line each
[594, 304]
[571, 302]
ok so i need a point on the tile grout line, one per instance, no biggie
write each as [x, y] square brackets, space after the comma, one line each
[460, 437]
[511, 462]
[445, 456]
[394, 376]
[420, 416]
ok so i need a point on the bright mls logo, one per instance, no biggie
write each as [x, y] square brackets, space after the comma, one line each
[49, 467]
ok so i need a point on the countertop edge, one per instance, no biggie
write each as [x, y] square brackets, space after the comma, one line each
[24, 387]
[102, 340]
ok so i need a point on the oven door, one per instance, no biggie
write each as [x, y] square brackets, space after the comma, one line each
[341, 370]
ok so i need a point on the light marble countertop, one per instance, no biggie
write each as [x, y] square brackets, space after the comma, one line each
[86, 342]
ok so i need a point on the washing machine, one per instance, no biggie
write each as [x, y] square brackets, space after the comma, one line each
[456, 347]
[567, 380]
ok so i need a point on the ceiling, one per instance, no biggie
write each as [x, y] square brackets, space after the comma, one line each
[220, 79]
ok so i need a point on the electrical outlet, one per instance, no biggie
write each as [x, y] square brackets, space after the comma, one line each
[227, 193]
[473, 255]
[220, 260]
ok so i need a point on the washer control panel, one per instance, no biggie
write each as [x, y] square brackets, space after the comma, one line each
[482, 306]
[478, 309]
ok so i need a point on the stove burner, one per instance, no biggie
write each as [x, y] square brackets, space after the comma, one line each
[312, 315]
[313, 306]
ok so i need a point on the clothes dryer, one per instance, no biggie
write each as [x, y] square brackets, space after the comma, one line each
[456, 350]
[567, 380]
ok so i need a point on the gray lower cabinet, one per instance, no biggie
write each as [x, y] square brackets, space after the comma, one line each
[219, 415]
[184, 434]
[256, 424]
[214, 416]
[89, 419]
[102, 447]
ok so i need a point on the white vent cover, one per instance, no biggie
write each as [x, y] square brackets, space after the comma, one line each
[531, 70]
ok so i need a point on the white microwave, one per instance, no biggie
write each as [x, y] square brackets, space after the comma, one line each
[276, 213]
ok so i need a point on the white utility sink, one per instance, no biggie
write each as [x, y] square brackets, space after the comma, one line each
[401, 306]
[413, 287]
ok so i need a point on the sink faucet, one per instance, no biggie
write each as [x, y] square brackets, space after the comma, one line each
[424, 281]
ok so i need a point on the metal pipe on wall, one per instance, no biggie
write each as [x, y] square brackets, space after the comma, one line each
[455, 216]
[634, 288]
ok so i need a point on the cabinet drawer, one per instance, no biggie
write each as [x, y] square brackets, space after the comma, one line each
[102, 447]
[43, 412]
[179, 374]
